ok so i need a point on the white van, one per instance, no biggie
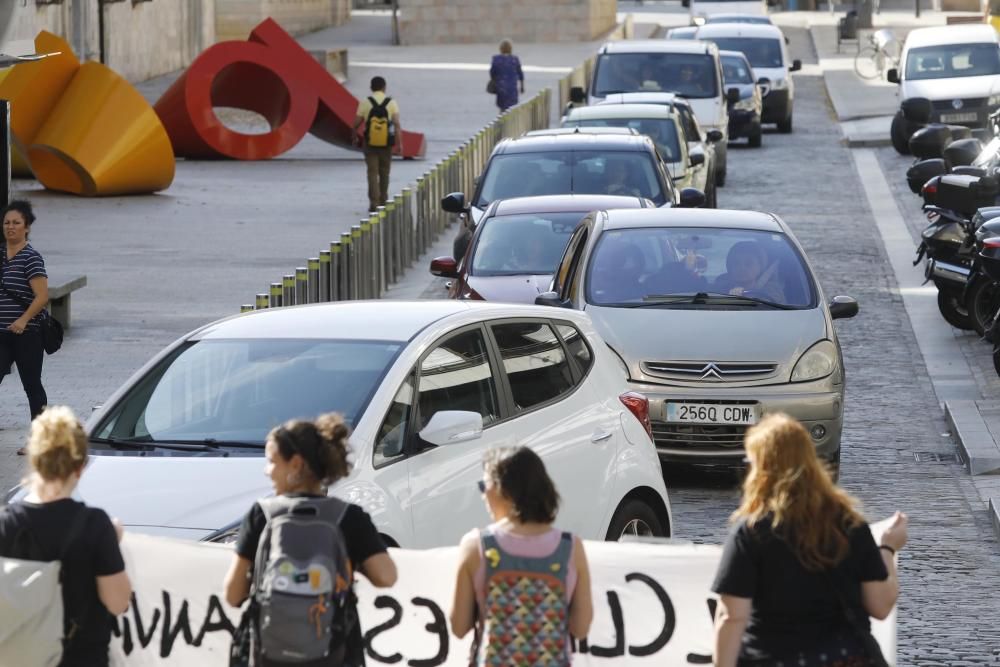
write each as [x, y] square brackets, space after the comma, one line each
[700, 10]
[764, 46]
[688, 68]
[957, 68]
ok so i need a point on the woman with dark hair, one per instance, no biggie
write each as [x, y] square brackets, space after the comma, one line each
[24, 291]
[506, 76]
[800, 573]
[303, 459]
[521, 563]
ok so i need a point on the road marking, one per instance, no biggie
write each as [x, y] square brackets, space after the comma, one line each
[946, 364]
[465, 67]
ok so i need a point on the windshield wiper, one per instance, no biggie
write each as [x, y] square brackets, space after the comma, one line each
[205, 445]
[699, 298]
[216, 444]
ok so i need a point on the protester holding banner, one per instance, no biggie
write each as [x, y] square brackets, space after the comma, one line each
[303, 459]
[48, 525]
[520, 577]
[801, 573]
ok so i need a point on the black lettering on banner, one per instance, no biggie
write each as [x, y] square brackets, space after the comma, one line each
[440, 626]
[669, 618]
[384, 602]
[698, 658]
[124, 631]
[619, 623]
[170, 632]
[140, 631]
[208, 625]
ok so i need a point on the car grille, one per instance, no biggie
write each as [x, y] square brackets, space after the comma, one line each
[708, 371]
[968, 104]
[697, 436]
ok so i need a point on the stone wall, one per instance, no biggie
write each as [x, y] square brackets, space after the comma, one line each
[234, 19]
[489, 21]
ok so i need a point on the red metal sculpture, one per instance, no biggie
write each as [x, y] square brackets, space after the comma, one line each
[269, 74]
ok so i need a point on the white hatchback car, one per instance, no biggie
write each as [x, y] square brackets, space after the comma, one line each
[428, 386]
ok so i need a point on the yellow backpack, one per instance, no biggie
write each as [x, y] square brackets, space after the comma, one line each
[378, 129]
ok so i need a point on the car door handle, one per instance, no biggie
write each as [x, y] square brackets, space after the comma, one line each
[600, 436]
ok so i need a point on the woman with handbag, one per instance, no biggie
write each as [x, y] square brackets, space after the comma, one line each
[506, 76]
[24, 291]
[800, 572]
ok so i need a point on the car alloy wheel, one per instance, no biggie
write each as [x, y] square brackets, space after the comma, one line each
[637, 528]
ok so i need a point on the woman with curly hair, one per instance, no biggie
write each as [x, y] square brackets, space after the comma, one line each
[800, 572]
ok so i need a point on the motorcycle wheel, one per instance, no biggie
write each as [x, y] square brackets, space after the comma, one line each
[953, 310]
[981, 305]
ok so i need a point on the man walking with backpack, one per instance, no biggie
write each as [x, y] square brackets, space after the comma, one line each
[380, 116]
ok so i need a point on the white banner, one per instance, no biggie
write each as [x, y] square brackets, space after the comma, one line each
[652, 607]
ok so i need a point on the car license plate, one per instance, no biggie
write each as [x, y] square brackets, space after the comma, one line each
[711, 413]
[959, 117]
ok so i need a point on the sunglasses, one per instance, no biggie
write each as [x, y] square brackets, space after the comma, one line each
[481, 485]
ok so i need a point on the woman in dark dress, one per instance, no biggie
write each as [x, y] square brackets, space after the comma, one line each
[799, 562]
[507, 77]
[48, 525]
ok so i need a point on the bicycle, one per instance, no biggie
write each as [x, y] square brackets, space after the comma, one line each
[882, 48]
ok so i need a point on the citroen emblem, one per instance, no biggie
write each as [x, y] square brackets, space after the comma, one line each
[710, 372]
[957, 104]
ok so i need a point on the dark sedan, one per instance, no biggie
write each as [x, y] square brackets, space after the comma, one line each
[745, 104]
[518, 243]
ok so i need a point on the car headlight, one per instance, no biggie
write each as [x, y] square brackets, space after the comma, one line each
[746, 104]
[818, 361]
[226, 535]
[994, 100]
[779, 84]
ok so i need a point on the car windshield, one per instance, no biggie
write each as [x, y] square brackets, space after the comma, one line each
[687, 74]
[735, 70]
[729, 18]
[238, 390]
[522, 244]
[734, 267]
[662, 131]
[760, 51]
[947, 61]
[627, 173]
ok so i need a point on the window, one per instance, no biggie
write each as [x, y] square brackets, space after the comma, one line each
[534, 361]
[522, 244]
[391, 438]
[953, 60]
[735, 71]
[662, 131]
[690, 75]
[761, 52]
[577, 346]
[456, 375]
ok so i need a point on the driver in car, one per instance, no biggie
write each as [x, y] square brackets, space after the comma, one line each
[691, 81]
[617, 179]
[748, 273]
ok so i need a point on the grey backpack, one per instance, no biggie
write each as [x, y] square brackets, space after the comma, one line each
[302, 581]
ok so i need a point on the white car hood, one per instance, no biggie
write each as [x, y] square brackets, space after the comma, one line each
[771, 73]
[945, 89]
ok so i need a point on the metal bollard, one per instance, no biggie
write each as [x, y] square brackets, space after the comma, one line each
[247, 307]
[346, 288]
[275, 295]
[301, 285]
[261, 301]
[356, 289]
[399, 236]
[378, 221]
[324, 276]
[312, 279]
[364, 263]
[336, 257]
[288, 290]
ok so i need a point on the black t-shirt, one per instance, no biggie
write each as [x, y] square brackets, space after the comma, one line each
[94, 553]
[793, 608]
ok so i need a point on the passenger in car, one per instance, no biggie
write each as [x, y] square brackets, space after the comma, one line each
[617, 273]
[749, 273]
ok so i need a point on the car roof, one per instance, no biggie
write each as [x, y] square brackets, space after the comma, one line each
[644, 98]
[569, 140]
[952, 34]
[398, 321]
[733, 54]
[753, 30]
[621, 111]
[658, 46]
[555, 131]
[737, 18]
[692, 217]
[564, 204]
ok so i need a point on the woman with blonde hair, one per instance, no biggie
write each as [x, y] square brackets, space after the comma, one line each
[48, 525]
[801, 572]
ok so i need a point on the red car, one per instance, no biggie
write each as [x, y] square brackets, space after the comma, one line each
[518, 243]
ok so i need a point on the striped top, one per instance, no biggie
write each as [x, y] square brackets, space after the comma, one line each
[17, 271]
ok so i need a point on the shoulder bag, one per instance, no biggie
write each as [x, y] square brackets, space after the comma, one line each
[51, 329]
[491, 87]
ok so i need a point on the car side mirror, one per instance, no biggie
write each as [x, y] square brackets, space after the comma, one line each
[692, 198]
[714, 136]
[577, 95]
[733, 96]
[842, 307]
[796, 65]
[451, 427]
[550, 299]
[454, 203]
[892, 75]
[444, 267]
[696, 158]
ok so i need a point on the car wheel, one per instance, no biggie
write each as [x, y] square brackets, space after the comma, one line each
[712, 198]
[461, 243]
[833, 465]
[897, 132]
[755, 136]
[785, 126]
[634, 518]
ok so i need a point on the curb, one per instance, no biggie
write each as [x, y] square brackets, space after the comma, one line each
[979, 449]
[995, 517]
[868, 142]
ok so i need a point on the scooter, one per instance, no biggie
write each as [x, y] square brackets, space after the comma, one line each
[947, 243]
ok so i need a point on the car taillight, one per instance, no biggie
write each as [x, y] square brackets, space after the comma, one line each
[992, 243]
[638, 405]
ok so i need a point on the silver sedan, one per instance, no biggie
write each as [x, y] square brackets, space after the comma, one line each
[717, 318]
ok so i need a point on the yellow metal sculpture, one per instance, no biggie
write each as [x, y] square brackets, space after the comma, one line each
[83, 129]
